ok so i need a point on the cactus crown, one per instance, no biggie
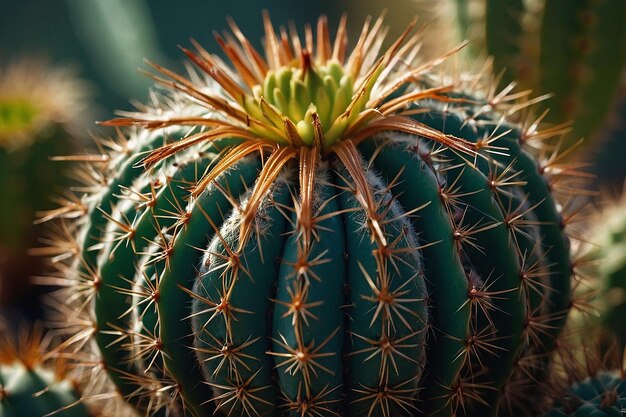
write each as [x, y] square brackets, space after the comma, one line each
[301, 101]
[302, 96]
[15, 115]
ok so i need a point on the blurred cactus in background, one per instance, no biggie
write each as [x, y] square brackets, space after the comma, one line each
[39, 108]
[574, 50]
[31, 383]
[607, 237]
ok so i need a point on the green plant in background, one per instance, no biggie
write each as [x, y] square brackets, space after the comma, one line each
[37, 107]
[573, 50]
[607, 235]
[30, 385]
[319, 231]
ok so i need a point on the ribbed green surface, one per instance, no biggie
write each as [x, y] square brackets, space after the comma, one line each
[320, 285]
[112, 305]
[396, 277]
[243, 330]
[123, 171]
[521, 208]
[173, 304]
[403, 327]
[417, 186]
[453, 311]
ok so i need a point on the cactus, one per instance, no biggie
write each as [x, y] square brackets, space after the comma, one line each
[576, 61]
[561, 48]
[607, 237]
[29, 384]
[37, 107]
[591, 380]
[603, 395]
[319, 232]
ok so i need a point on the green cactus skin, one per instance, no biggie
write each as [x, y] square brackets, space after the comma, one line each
[417, 186]
[526, 212]
[165, 199]
[35, 392]
[403, 261]
[603, 395]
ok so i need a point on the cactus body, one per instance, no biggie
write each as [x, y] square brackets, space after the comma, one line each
[335, 236]
[603, 395]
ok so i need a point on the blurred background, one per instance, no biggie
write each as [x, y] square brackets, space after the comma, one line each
[66, 63]
[107, 40]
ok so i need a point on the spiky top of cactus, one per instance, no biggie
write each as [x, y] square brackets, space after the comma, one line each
[302, 101]
[282, 234]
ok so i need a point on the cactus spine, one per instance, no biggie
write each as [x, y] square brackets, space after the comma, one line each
[320, 232]
[591, 384]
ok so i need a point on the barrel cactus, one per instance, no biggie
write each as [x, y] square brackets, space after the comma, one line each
[311, 231]
[30, 385]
